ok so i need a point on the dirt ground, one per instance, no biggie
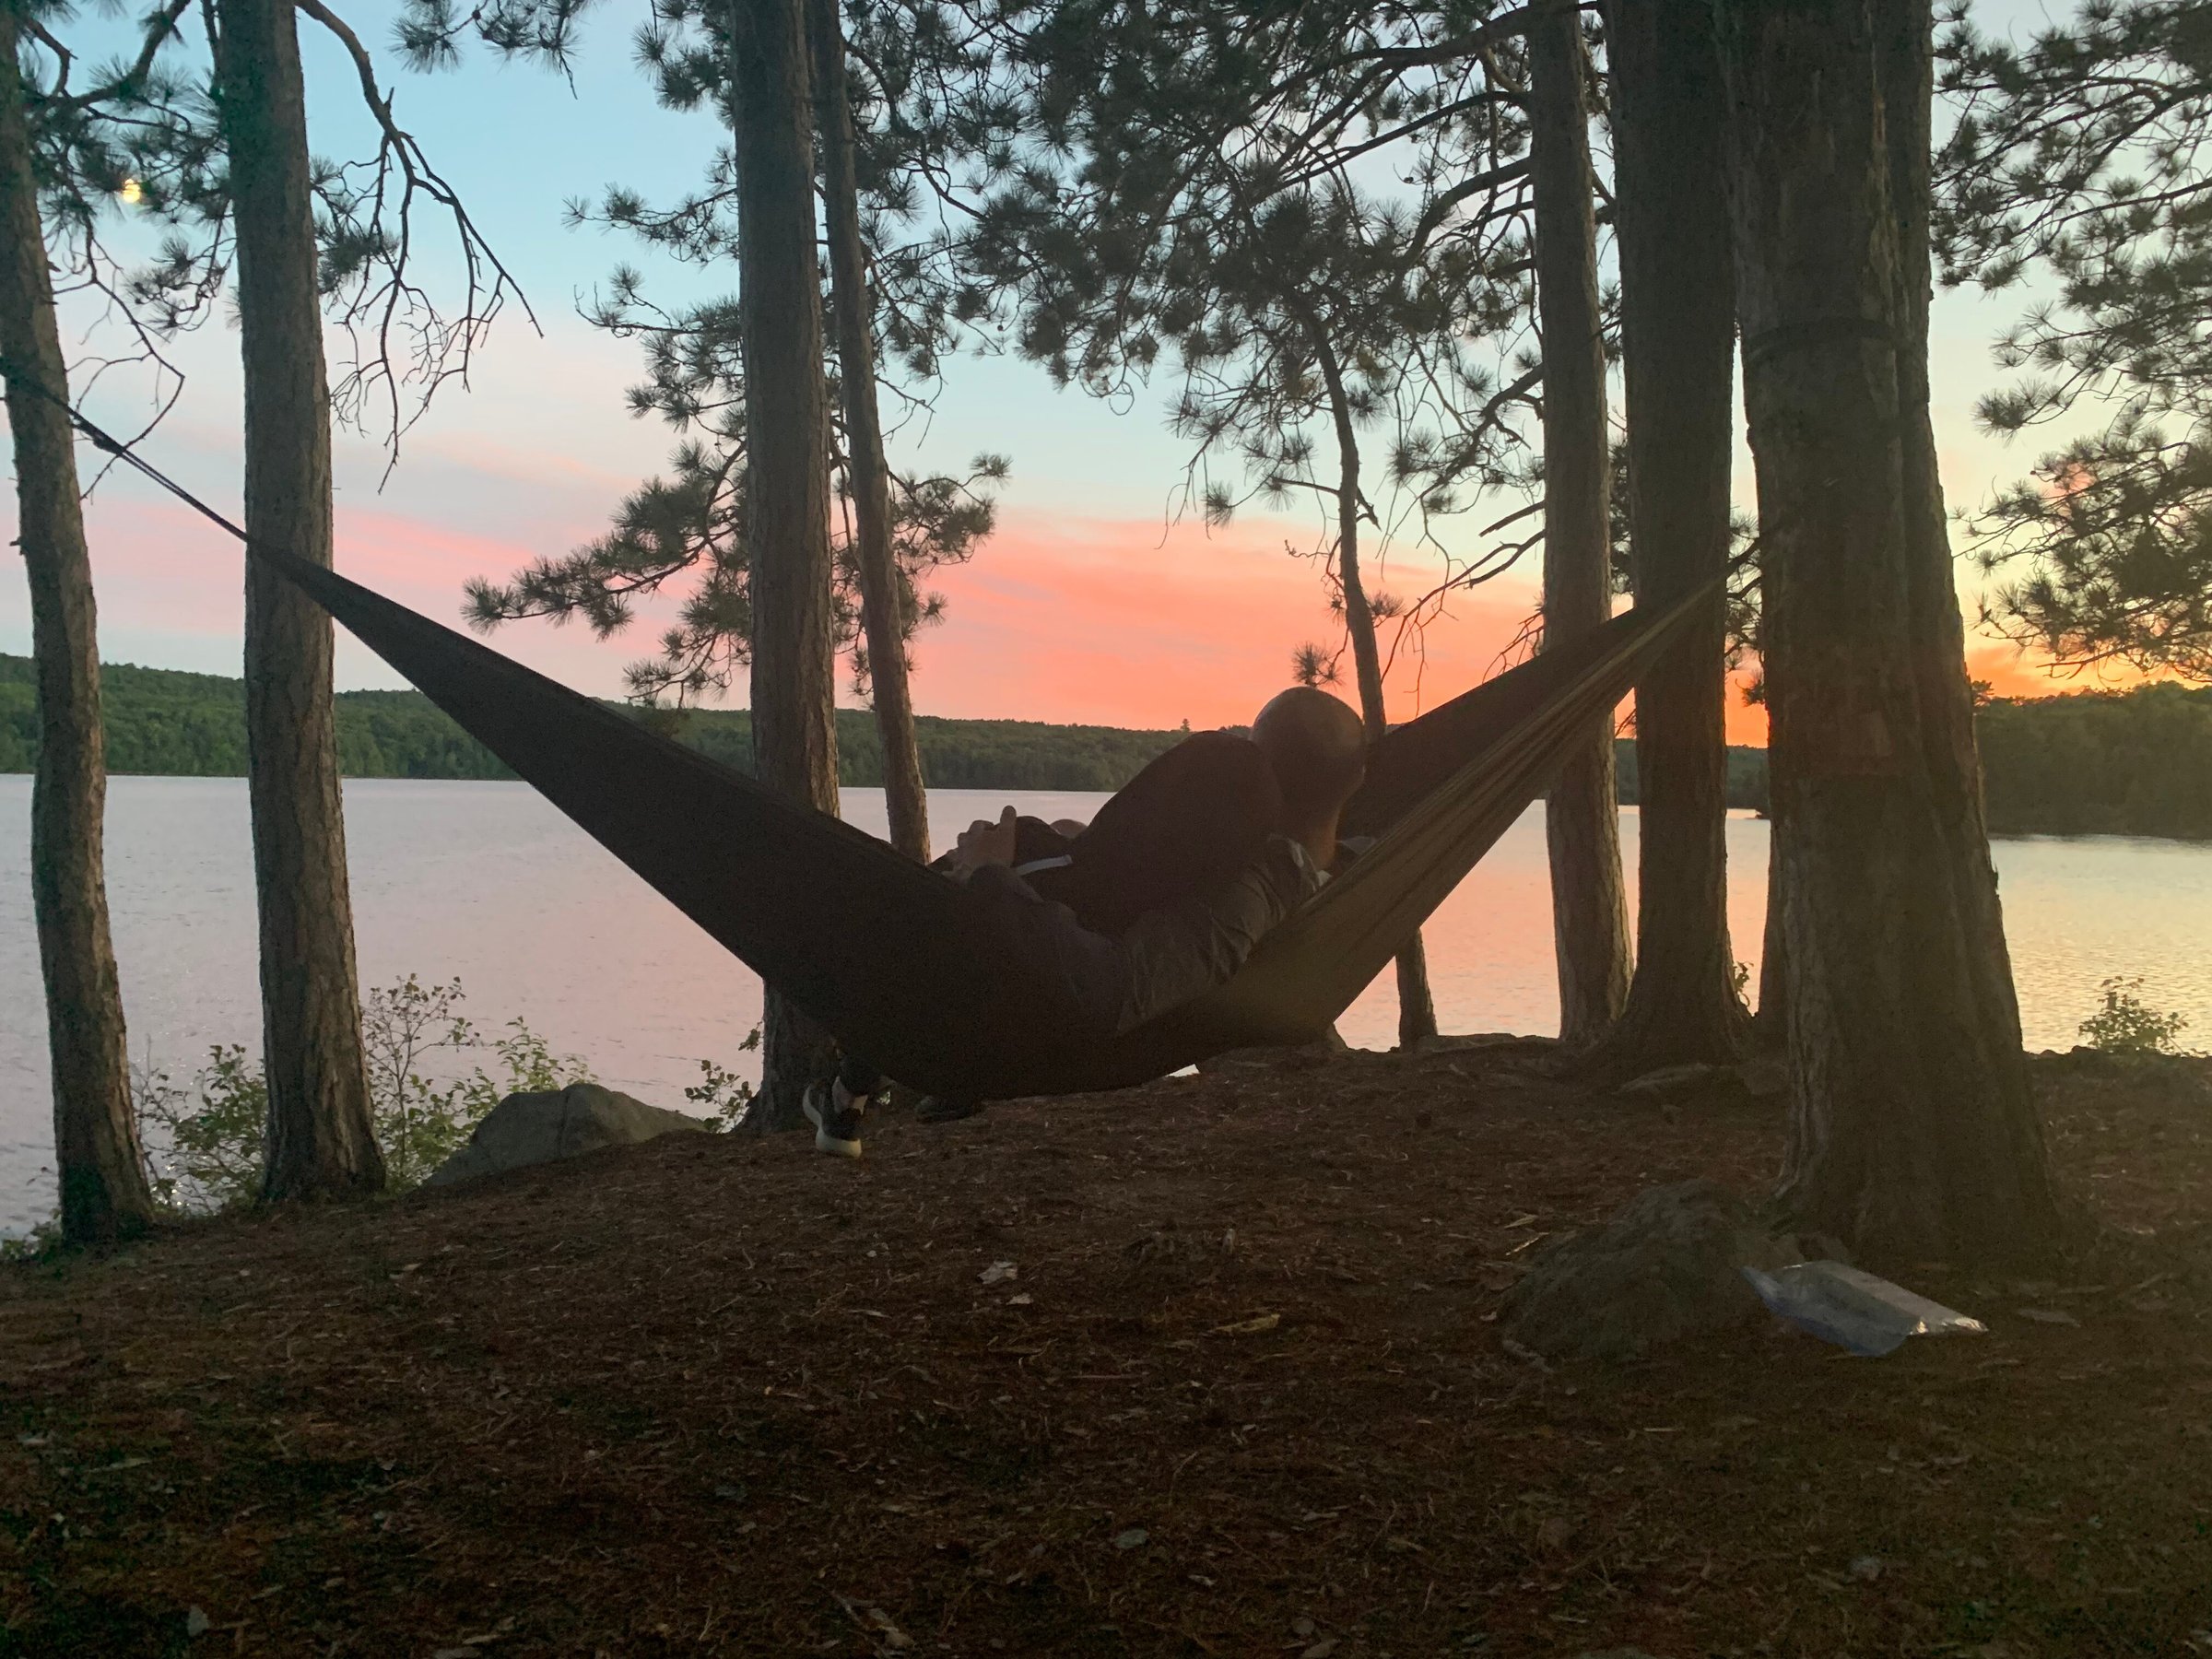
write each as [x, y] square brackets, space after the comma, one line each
[1203, 1369]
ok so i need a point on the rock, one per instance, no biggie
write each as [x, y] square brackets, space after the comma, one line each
[525, 1129]
[1662, 1269]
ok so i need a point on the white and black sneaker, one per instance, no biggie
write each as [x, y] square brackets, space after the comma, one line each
[836, 1128]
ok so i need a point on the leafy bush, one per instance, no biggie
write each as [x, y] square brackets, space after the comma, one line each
[726, 1096]
[42, 1241]
[2127, 1025]
[205, 1143]
[419, 1124]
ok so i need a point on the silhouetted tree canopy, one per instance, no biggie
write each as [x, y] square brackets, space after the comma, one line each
[2077, 171]
[683, 533]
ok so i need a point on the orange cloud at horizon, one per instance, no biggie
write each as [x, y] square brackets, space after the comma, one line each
[1746, 722]
[1127, 623]
[2013, 672]
[1136, 624]
[1090, 621]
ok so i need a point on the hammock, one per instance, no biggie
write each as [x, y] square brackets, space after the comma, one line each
[888, 955]
[891, 959]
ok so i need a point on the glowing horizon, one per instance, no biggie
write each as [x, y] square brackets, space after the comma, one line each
[1093, 621]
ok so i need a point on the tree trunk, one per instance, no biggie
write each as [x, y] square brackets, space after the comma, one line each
[882, 590]
[1416, 1009]
[1589, 899]
[1913, 1134]
[97, 1155]
[1938, 641]
[787, 467]
[322, 1143]
[1770, 1028]
[1677, 305]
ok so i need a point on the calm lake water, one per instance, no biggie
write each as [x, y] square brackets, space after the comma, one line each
[486, 883]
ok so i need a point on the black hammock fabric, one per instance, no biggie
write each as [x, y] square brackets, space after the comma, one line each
[892, 959]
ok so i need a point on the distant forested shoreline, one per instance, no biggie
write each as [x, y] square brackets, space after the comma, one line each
[2093, 763]
[2099, 763]
[165, 723]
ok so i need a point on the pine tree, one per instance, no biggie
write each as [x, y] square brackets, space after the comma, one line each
[320, 1141]
[98, 1161]
[882, 587]
[2077, 160]
[1913, 1132]
[684, 534]
[1417, 1007]
[1677, 305]
[311, 235]
[787, 465]
[226, 165]
[1581, 817]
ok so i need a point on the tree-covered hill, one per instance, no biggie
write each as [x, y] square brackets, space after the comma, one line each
[2136, 762]
[2100, 763]
[163, 722]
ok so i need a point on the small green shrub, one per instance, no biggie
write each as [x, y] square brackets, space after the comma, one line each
[39, 1242]
[418, 1123]
[203, 1143]
[724, 1095]
[203, 1140]
[2129, 1025]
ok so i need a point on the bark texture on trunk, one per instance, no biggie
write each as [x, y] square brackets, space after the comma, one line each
[1939, 642]
[787, 465]
[1913, 1134]
[1581, 819]
[321, 1140]
[1770, 1028]
[882, 589]
[97, 1156]
[1417, 1008]
[1677, 305]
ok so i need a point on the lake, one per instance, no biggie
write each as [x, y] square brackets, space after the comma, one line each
[486, 883]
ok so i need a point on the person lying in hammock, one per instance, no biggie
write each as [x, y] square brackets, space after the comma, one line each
[1163, 896]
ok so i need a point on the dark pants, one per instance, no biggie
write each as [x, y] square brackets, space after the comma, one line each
[1157, 902]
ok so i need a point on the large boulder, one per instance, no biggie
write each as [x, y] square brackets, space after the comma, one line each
[1664, 1268]
[525, 1129]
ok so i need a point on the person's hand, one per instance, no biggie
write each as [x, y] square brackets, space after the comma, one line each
[984, 842]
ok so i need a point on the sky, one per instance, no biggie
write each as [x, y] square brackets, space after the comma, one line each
[1096, 601]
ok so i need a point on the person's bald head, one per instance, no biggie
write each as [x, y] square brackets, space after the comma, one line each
[1318, 748]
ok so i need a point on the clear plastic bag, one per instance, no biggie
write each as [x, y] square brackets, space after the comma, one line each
[1854, 1309]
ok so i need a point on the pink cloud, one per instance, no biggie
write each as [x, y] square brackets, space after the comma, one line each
[162, 573]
